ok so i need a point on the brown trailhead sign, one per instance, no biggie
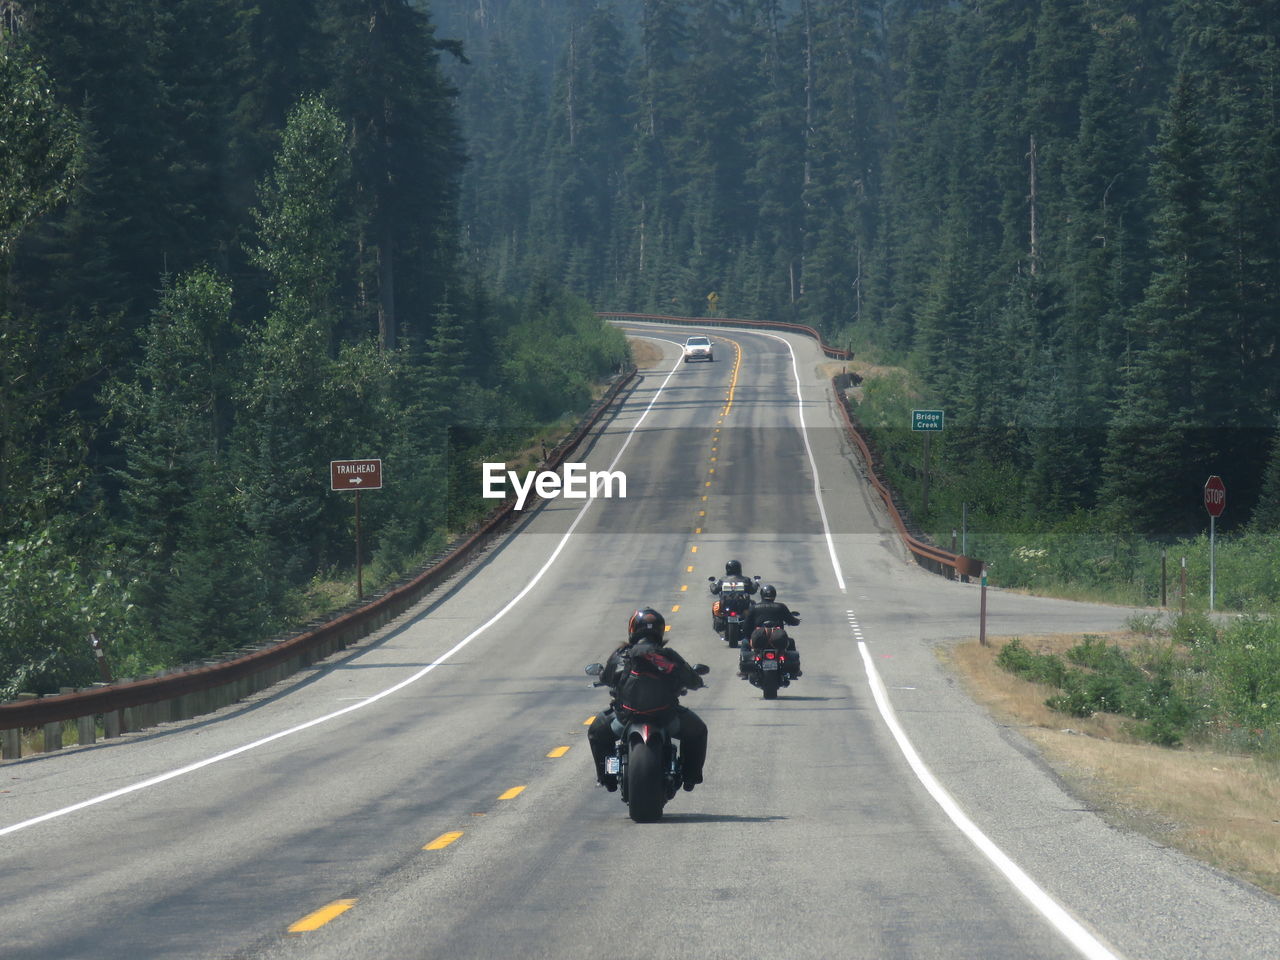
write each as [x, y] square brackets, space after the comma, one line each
[355, 474]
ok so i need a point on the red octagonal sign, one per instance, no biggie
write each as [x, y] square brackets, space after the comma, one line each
[1215, 496]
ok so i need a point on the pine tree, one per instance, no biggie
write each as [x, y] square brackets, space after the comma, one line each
[1163, 440]
[172, 431]
[288, 424]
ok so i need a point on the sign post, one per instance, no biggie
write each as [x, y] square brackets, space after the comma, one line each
[926, 422]
[356, 475]
[1215, 501]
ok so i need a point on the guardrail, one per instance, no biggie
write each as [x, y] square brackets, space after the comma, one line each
[835, 353]
[132, 705]
[927, 555]
[933, 558]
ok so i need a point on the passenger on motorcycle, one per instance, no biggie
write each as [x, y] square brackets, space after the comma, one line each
[765, 624]
[634, 692]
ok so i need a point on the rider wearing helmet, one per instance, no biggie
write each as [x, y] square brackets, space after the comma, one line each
[770, 612]
[734, 580]
[646, 640]
[734, 589]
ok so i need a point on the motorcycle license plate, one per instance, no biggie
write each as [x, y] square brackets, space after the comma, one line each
[612, 765]
[769, 665]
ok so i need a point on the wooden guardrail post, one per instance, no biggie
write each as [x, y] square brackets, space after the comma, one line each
[86, 730]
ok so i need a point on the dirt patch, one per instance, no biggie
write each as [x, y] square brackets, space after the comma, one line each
[644, 353]
[1221, 808]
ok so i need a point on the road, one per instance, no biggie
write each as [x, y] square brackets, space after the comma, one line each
[429, 793]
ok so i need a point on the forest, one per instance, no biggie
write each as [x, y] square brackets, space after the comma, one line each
[230, 253]
[1060, 215]
[239, 239]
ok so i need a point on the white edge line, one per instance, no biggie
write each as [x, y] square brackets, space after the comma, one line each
[817, 487]
[245, 748]
[1080, 938]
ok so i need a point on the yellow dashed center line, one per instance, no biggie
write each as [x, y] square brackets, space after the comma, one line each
[675, 608]
[442, 841]
[733, 381]
[511, 794]
[314, 921]
[557, 753]
[684, 588]
[589, 721]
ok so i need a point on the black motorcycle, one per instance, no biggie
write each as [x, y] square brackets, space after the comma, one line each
[646, 760]
[773, 666]
[728, 611]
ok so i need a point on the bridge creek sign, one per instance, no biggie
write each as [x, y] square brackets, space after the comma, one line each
[355, 474]
[927, 421]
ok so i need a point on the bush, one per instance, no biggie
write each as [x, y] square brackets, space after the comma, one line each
[1149, 684]
[50, 601]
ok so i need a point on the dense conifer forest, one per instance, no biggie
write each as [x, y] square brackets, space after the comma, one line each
[1062, 215]
[230, 253]
[241, 238]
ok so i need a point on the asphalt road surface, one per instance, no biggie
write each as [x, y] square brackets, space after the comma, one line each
[429, 793]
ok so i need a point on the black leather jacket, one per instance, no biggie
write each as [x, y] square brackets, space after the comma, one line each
[768, 611]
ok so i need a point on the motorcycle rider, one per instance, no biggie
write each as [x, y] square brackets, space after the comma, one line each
[770, 612]
[646, 638]
[733, 579]
[732, 583]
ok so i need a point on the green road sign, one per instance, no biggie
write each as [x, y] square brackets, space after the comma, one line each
[927, 420]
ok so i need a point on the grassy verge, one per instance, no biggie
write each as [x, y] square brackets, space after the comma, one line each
[1214, 803]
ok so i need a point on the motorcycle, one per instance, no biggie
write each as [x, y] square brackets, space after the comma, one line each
[646, 760]
[729, 610]
[771, 667]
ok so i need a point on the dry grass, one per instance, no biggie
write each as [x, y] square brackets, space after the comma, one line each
[1221, 808]
[644, 353]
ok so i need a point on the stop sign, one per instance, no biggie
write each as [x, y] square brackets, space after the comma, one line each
[1215, 495]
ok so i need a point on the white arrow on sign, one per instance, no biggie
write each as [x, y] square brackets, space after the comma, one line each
[356, 480]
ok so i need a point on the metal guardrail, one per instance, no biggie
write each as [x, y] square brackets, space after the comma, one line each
[132, 705]
[835, 353]
[927, 555]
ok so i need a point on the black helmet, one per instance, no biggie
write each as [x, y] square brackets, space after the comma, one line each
[647, 623]
[768, 592]
[733, 568]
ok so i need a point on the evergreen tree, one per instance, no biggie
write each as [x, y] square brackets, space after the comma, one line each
[1164, 439]
[288, 420]
[388, 87]
[172, 433]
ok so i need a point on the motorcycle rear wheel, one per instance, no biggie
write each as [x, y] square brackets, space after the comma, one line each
[645, 794]
[769, 684]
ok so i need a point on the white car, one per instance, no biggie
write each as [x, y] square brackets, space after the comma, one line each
[697, 348]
